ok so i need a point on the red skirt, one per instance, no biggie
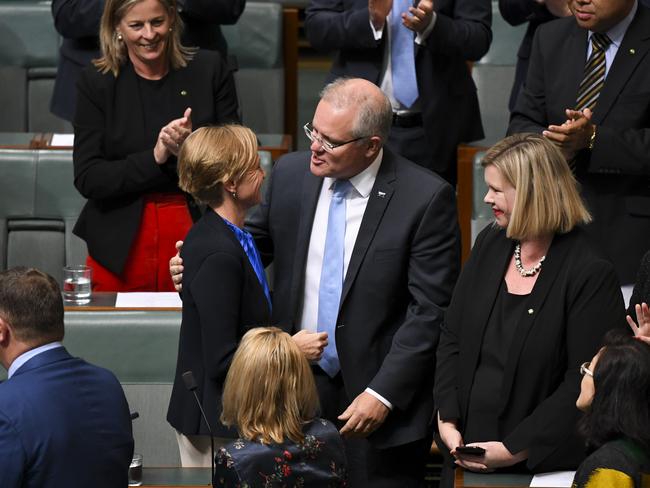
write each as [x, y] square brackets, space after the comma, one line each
[165, 220]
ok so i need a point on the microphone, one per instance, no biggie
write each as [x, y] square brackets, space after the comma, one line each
[134, 415]
[190, 385]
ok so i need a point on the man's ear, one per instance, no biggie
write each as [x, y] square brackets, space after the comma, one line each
[374, 145]
[5, 332]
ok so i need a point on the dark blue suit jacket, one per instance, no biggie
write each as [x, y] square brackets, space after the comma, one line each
[63, 422]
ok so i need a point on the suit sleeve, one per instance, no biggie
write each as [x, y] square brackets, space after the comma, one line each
[12, 455]
[96, 176]
[529, 114]
[223, 12]
[464, 33]
[74, 19]
[432, 272]
[642, 281]
[330, 25]
[447, 367]
[594, 305]
[516, 12]
[623, 150]
[216, 290]
[225, 473]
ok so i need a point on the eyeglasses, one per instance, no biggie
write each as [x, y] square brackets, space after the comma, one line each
[325, 144]
[584, 369]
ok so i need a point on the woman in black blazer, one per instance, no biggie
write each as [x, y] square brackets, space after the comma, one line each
[135, 107]
[225, 292]
[532, 303]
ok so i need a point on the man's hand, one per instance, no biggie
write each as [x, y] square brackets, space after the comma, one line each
[449, 434]
[176, 267]
[496, 456]
[574, 134]
[641, 327]
[364, 415]
[418, 18]
[311, 343]
[379, 10]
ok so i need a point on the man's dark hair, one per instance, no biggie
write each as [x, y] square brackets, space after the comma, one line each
[622, 393]
[30, 301]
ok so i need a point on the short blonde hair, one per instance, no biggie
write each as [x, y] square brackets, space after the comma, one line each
[114, 52]
[212, 156]
[547, 200]
[269, 393]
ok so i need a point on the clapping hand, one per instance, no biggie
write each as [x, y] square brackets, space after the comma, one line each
[641, 327]
[172, 136]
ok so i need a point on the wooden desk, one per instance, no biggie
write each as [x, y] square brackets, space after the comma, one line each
[276, 144]
[175, 477]
[467, 479]
[104, 301]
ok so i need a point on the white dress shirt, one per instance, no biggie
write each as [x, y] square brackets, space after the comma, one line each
[355, 206]
[616, 35]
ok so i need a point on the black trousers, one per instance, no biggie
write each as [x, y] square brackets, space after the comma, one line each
[396, 467]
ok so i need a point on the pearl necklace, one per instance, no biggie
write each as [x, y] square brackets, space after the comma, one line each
[523, 271]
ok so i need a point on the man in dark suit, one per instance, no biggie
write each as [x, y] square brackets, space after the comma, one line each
[398, 265]
[63, 422]
[602, 126]
[444, 35]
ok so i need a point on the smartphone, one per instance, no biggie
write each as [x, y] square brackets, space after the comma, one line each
[473, 450]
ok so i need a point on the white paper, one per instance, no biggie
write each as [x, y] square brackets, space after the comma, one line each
[62, 140]
[148, 300]
[554, 479]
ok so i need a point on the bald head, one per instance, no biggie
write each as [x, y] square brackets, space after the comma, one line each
[374, 113]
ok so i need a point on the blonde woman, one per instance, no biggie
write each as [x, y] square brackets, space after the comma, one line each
[270, 397]
[136, 105]
[225, 292]
[533, 301]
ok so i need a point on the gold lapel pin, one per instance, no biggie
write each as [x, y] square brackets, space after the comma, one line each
[183, 93]
[632, 51]
[530, 311]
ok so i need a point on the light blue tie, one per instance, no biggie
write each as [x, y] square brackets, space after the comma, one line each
[405, 84]
[331, 278]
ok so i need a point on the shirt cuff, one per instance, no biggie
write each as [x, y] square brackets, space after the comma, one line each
[372, 392]
[378, 34]
[421, 39]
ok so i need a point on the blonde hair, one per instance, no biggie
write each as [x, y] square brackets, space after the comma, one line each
[547, 200]
[269, 393]
[114, 52]
[212, 156]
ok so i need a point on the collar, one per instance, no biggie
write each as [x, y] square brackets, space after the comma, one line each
[617, 32]
[26, 356]
[364, 181]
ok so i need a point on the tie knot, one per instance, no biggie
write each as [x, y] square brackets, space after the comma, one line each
[341, 188]
[600, 41]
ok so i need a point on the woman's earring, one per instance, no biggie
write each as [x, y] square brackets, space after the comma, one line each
[234, 194]
[119, 36]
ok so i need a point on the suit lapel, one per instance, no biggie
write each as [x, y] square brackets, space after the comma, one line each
[311, 187]
[380, 195]
[632, 50]
[576, 52]
[496, 260]
[553, 265]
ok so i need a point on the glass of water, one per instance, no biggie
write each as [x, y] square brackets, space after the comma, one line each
[135, 470]
[77, 284]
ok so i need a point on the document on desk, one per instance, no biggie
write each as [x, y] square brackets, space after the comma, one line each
[554, 479]
[148, 300]
[62, 140]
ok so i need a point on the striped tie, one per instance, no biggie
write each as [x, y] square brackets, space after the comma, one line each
[594, 78]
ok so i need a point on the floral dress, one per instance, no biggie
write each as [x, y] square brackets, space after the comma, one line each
[319, 461]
